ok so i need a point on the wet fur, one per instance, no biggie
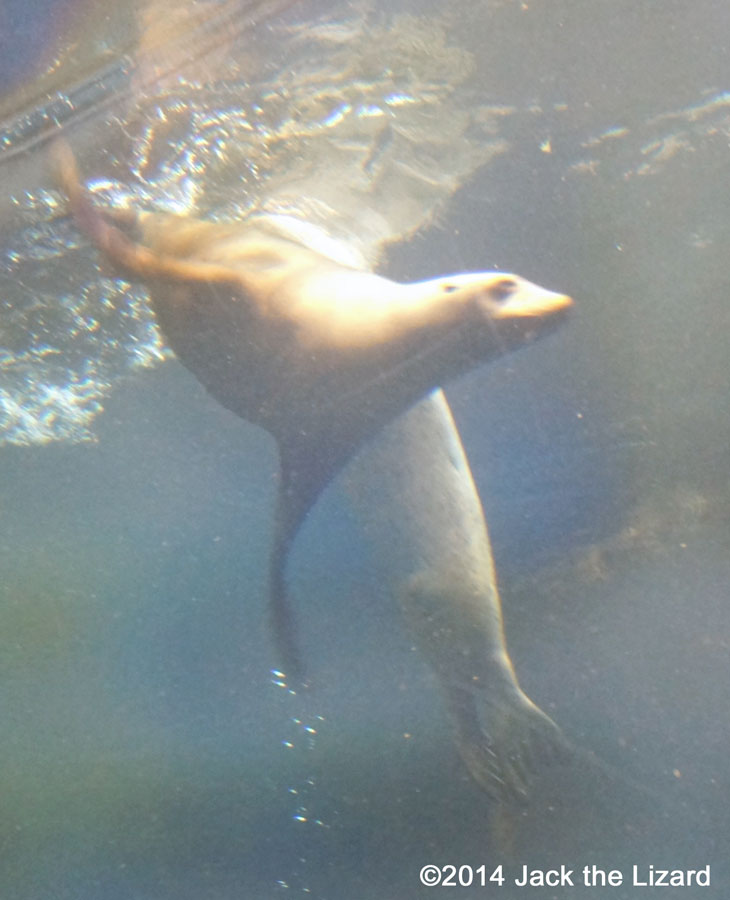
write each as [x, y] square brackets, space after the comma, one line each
[319, 353]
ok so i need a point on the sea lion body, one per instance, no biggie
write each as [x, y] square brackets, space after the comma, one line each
[291, 334]
[320, 375]
[413, 491]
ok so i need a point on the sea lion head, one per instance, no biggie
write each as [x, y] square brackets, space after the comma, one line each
[516, 311]
[295, 336]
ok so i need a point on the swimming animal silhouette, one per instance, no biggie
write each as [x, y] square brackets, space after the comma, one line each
[286, 333]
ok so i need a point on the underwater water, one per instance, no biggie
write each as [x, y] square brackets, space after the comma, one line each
[148, 751]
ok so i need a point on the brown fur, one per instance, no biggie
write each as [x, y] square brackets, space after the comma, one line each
[321, 354]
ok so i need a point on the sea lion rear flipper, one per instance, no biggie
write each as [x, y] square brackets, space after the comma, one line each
[504, 739]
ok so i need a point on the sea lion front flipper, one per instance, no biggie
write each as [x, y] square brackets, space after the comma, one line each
[281, 617]
[307, 464]
[323, 356]
[130, 259]
[156, 250]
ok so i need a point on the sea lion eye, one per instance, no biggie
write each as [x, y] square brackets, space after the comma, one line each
[503, 290]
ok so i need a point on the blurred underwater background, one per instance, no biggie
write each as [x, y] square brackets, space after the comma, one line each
[148, 749]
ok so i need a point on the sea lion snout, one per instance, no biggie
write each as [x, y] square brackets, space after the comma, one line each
[518, 310]
[513, 297]
[498, 295]
[293, 336]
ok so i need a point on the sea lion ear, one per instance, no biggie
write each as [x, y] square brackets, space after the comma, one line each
[104, 228]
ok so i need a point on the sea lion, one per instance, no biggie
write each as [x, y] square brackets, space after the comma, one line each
[288, 332]
[414, 493]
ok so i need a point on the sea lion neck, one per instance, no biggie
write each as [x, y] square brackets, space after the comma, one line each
[321, 353]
